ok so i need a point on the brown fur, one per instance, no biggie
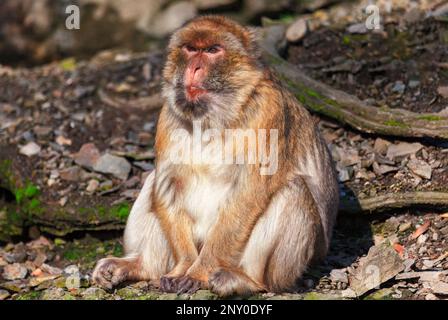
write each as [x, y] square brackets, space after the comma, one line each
[237, 253]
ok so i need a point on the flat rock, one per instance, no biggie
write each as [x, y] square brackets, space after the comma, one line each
[420, 168]
[14, 271]
[402, 149]
[440, 287]
[443, 91]
[71, 174]
[380, 146]
[337, 275]
[110, 164]
[297, 30]
[87, 156]
[3, 294]
[30, 149]
[359, 28]
[94, 293]
[381, 264]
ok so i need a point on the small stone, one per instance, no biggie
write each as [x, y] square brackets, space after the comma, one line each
[71, 269]
[132, 182]
[297, 30]
[92, 185]
[15, 286]
[36, 281]
[144, 165]
[87, 156]
[56, 294]
[359, 28]
[443, 91]
[428, 264]
[344, 175]
[3, 294]
[402, 149]
[422, 239]
[203, 295]
[381, 146]
[337, 275]
[62, 141]
[110, 164]
[404, 226]
[14, 271]
[63, 201]
[71, 174]
[383, 168]
[420, 168]
[94, 293]
[30, 149]
[50, 270]
[42, 131]
[398, 87]
[431, 296]
[413, 84]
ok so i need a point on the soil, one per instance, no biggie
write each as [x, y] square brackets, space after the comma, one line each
[374, 66]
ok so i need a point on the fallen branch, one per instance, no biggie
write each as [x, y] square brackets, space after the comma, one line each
[345, 108]
[395, 200]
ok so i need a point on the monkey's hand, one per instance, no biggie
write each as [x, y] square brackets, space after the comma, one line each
[178, 282]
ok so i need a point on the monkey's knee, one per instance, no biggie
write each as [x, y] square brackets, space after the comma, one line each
[226, 282]
[109, 272]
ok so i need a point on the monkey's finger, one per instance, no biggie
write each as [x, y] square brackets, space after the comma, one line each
[167, 284]
[188, 285]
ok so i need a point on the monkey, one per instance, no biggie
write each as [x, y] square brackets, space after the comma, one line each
[226, 226]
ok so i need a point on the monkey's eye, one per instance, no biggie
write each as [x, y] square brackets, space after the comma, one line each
[213, 49]
[189, 48]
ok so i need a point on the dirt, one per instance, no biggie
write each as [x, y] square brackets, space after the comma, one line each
[370, 65]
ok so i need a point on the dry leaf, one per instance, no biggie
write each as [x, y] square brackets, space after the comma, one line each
[421, 230]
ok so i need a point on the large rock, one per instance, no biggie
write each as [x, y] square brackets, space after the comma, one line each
[110, 164]
[381, 264]
[173, 17]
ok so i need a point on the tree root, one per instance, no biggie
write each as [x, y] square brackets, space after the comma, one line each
[345, 108]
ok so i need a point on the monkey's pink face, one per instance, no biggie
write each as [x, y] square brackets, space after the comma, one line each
[200, 59]
[205, 72]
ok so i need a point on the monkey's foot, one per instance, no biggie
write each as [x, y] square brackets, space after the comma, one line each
[169, 284]
[226, 283]
[111, 271]
[180, 285]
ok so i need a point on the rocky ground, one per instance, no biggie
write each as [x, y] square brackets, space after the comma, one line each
[76, 144]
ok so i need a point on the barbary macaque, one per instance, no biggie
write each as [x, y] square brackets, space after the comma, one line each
[232, 227]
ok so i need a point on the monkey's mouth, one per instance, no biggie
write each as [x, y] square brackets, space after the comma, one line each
[194, 103]
[193, 93]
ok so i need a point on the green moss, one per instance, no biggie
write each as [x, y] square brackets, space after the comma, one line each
[121, 211]
[68, 64]
[33, 295]
[430, 118]
[382, 294]
[395, 123]
[346, 40]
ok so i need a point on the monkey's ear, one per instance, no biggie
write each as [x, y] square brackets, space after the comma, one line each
[255, 35]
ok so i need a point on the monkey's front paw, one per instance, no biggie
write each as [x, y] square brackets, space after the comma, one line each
[109, 272]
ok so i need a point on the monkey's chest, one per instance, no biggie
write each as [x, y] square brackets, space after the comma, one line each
[203, 200]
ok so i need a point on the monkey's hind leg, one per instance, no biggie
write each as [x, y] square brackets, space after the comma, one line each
[285, 240]
[147, 254]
